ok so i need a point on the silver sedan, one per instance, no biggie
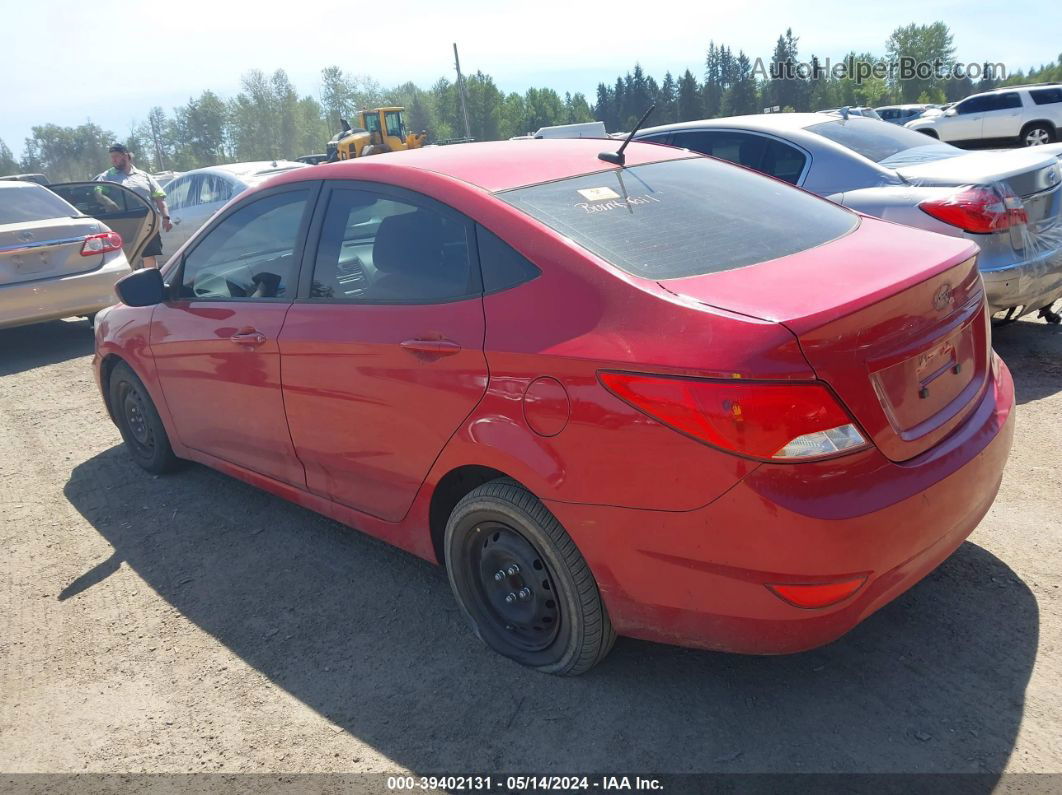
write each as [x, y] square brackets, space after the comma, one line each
[194, 196]
[1010, 203]
[61, 251]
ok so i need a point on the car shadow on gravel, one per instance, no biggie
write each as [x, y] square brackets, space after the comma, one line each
[27, 347]
[371, 639]
[1033, 352]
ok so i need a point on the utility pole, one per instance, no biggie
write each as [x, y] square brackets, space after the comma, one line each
[461, 91]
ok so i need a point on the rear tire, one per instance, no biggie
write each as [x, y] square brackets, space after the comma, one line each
[930, 133]
[522, 583]
[1037, 134]
[138, 420]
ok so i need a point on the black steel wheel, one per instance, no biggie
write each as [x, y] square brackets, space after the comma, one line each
[139, 422]
[522, 583]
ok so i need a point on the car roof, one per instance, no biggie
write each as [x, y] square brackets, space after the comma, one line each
[767, 122]
[9, 184]
[499, 165]
[247, 170]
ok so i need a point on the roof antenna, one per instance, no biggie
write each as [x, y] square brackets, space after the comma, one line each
[617, 157]
[844, 113]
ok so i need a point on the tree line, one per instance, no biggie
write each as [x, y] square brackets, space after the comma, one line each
[269, 119]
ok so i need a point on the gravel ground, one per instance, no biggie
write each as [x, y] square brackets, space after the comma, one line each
[192, 623]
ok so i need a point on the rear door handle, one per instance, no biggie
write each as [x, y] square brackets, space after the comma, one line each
[249, 336]
[433, 347]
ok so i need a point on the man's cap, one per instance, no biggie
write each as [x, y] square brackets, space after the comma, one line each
[120, 148]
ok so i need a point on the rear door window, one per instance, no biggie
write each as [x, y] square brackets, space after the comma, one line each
[1002, 101]
[783, 161]
[214, 188]
[683, 217]
[379, 248]
[741, 148]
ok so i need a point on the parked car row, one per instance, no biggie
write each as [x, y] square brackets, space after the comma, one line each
[1031, 115]
[645, 393]
[712, 401]
[1008, 203]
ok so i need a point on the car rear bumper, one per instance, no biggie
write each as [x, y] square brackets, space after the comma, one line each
[1032, 283]
[67, 296]
[699, 578]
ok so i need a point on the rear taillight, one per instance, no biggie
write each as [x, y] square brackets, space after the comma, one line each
[101, 244]
[978, 210]
[768, 421]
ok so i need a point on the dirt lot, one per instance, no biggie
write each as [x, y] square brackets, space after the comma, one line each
[192, 623]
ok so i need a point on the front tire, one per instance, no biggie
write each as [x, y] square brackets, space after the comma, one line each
[138, 420]
[1037, 135]
[522, 583]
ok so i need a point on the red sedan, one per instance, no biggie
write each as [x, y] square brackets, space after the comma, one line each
[673, 399]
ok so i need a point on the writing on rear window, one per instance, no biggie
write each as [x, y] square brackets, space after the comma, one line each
[616, 204]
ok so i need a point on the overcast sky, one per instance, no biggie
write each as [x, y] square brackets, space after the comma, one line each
[110, 61]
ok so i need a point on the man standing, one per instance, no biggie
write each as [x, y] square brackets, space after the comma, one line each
[144, 185]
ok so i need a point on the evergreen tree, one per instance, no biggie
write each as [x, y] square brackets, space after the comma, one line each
[667, 101]
[788, 88]
[605, 109]
[713, 82]
[620, 103]
[740, 97]
[690, 102]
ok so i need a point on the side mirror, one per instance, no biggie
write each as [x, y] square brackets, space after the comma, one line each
[142, 288]
[950, 112]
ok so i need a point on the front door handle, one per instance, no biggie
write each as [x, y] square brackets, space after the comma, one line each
[248, 336]
[433, 347]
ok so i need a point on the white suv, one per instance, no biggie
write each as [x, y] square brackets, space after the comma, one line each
[1031, 114]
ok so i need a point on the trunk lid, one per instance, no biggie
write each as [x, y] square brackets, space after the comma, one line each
[892, 318]
[46, 249]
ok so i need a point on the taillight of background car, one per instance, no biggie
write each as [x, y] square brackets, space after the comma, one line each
[981, 210]
[101, 244]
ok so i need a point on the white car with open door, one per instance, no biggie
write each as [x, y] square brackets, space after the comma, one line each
[61, 252]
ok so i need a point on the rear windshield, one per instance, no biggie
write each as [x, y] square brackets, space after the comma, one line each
[883, 142]
[27, 202]
[683, 217]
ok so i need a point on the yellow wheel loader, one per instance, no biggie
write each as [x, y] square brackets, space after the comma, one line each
[380, 130]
